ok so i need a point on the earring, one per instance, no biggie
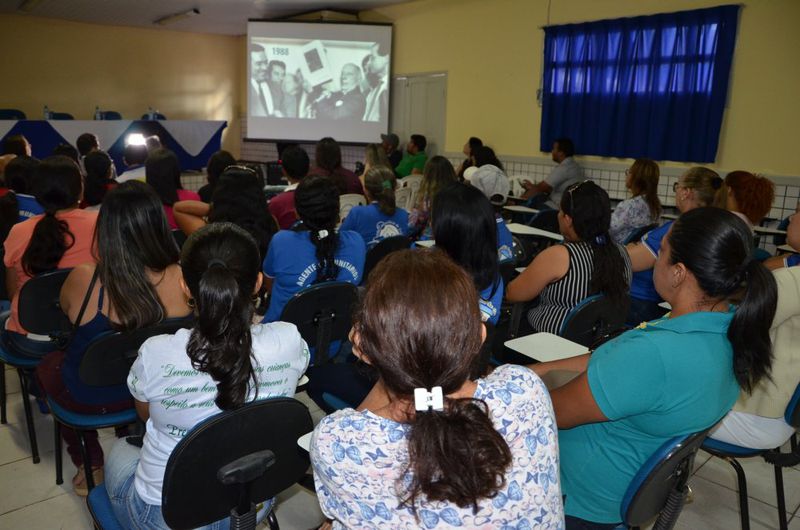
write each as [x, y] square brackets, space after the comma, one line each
[190, 303]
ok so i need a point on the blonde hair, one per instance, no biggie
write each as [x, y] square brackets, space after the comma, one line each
[709, 188]
[375, 156]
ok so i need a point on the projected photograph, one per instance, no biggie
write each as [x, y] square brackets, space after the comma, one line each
[318, 79]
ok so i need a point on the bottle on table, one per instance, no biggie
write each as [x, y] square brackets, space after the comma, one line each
[97, 114]
[46, 113]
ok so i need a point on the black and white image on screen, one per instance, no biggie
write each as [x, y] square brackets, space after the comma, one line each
[318, 79]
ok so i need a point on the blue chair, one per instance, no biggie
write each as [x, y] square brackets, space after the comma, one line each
[12, 114]
[105, 363]
[381, 250]
[156, 116]
[779, 460]
[39, 312]
[110, 115]
[203, 484]
[637, 234]
[593, 321]
[659, 488]
[61, 116]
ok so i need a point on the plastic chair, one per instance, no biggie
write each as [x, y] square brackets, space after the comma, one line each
[637, 234]
[347, 201]
[12, 114]
[156, 116]
[110, 115]
[593, 321]
[402, 197]
[203, 484]
[778, 459]
[381, 250]
[61, 116]
[659, 488]
[106, 362]
[412, 182]
[322, 314]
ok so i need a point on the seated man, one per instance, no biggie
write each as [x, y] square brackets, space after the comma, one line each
[414, 158]
[389, 142]
[566, 173]
[134, 157]
[348, 102]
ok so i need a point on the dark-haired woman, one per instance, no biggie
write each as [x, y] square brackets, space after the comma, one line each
[469, 149]
[381, 218]
[644, 207]
[669, 377]
[328, 162]
[698, 186]
[58, 239]
[313, 251]
[429, 447]
[98, 179]
[135, 284]
[217, 164]
[588, 262]
[163, 173]
[222, 363]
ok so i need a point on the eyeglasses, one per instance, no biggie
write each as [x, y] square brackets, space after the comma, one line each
[572, 188]
[677, 185]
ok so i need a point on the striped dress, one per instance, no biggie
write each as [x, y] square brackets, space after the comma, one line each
[558, 298]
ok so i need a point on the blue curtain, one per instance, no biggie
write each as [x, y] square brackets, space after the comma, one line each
[651, 86]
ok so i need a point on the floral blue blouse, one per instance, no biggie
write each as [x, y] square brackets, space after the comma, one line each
[359, 462]
[628, 216]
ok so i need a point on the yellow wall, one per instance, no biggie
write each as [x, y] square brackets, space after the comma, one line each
[492, 51]
[72, 67]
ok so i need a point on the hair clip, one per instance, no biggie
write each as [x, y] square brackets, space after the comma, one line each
[600, 240]
[322, 234]
[425, 400]
[216, 262]
[387, 185]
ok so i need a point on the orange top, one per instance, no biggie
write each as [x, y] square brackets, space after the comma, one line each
[81, 224]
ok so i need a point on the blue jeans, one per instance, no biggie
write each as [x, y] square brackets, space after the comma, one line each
[131, 511]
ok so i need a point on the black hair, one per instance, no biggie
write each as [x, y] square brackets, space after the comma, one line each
[716, 247]
[98, 167]
[380, 183]
[328, 154]
[221, 264]
[15, 145]
[19, 173]
[317, 203]
[163, 172]
[566, 146]
[419, 141]
[590, 209]
[134, 155]
[294, 161]
[485, 155]
[86, 142]
[465, 227]
[238, 199]
[256, 48]
[273, 63]
[57, 186]
[218, 163]
[66, 150]
[474, 143]
[131, 237]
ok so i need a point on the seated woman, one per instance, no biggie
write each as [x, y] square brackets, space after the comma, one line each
[381, 218]
[437, 174]
[749, 196]
[328, 162]
[224, 352]
[587, 263]
[699, 186]
[58, 239]
[670, 377]
[98, 179]
[238, 199]
[217, 164]
[494, 183]
[469, 149]
[313, 251]
[429, 446]
[163, 173]
[374, 156]
[644, 208]
[135, 284]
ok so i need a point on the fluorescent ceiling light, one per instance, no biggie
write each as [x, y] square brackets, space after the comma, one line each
[169, 19]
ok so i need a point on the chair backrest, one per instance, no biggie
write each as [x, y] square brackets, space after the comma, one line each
[594, 318]
[39, 305]
[12, 114]
[347, 201]
[110, 115]
[322, 314]
[192, 495]
[664, 473]
[109, 357]
[61, 116]
[637, 234]
[381, 250]
[156, 116]
[792, 414]
[412, 182]
[402, 198]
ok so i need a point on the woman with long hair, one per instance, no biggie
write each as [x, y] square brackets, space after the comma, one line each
[328, 162]
[313, 251]
[381, 218]
[588, 262]
[749, 196]
[135, 284]
[429, 445]
[472, 145]
[98, 179]
[438, 174]
[670, 377]
[697, 187]
[58, 239]
[644, 207]
[224, 352]
[163, 173]
[375, 156]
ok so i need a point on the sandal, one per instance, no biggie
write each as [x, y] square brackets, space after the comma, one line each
[79, 480]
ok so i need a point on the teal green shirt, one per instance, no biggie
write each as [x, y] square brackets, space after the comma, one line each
[666, 378]
[411, 162]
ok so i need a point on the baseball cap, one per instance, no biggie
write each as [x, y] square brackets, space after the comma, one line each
[392, 138]
[491, 181]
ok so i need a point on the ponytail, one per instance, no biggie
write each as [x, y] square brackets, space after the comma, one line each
[325, 241]
[49, 242]
[317, 203]
[380, 183]
[609, 273]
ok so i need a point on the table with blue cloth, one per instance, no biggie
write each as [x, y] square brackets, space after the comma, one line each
[193, 141]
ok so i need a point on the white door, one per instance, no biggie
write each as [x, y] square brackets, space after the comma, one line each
[419, 107]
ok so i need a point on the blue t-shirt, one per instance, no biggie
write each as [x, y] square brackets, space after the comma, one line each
[490, 300]
[28, 207]
[793, 260]
[505, 243]
[292, 261]
[642, 286]
[666, 378]
[374, 225]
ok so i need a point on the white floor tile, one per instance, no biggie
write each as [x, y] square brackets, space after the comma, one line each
[63, 511]
[298, 509]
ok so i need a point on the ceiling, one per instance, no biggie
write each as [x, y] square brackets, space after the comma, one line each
[225, 17]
